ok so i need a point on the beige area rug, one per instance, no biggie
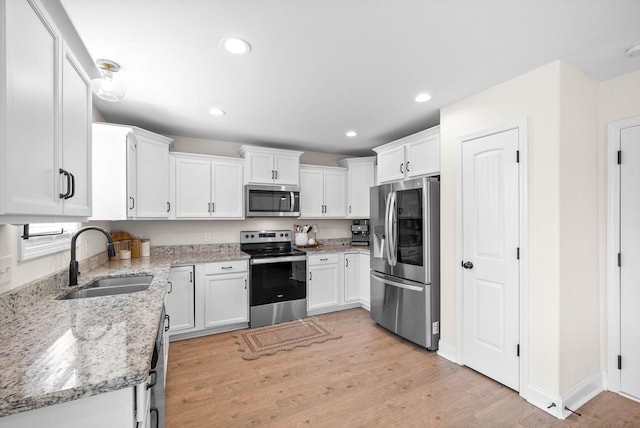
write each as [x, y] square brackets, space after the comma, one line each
[271, 339]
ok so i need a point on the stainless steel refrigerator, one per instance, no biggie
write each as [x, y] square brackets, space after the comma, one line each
[405, 259]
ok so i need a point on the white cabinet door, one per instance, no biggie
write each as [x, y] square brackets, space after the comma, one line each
[423, 156]
[192, 188]
[152, 179]
[311, 192]
[260, 168]
[323, 287]
[30, 98]
[76, 135]
[335, 183]
[365, 281]
[180, 299]
[351, 278]
[360, 177]
[226, 299]
[227, 190]
[286, 169]
[391, 165]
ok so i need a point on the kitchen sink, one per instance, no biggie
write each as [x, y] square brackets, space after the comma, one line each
[112, 286]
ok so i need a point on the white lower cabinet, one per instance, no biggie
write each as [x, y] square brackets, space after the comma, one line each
[351, 278]
[180, 303]
[365, 281]
[108, 410]
[226, 299]
[335, 282]
[325, 282]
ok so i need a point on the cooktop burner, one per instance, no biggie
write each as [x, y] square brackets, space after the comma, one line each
[268, 243]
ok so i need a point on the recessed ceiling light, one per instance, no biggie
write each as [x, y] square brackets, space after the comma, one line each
[235, 45]
[215, 111]
[351, 134]
[422, 98]
[633, 50]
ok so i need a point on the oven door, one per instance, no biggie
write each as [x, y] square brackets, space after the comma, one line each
[272, 201]
[278, 279]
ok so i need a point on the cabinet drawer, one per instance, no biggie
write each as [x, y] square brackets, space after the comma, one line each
[323, 259]
[230, 266]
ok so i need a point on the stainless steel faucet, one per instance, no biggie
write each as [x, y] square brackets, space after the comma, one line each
[73, 265]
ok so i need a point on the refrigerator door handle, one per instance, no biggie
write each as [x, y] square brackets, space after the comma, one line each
[387, 229]
[397, 284]
[393, 230]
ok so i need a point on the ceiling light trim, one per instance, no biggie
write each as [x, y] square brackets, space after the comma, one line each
[235, 45]
[422, 97]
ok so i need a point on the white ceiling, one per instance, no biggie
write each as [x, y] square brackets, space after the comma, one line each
[319, 68]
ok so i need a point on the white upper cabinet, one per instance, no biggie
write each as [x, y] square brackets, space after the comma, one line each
[360, 177]
[412, 156]
[130, 173]
[45, 111]
[270, 166]
[322, 192]
[208, 186]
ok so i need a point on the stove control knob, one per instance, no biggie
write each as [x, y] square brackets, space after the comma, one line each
[252, 235]
[246, 236]
[281, 235]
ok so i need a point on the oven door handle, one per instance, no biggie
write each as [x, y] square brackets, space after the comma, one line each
[278, 260]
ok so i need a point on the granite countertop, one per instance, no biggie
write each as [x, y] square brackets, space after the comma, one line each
[54, 351]
[339, 248]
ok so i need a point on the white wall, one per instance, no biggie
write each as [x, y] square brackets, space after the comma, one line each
[618, 99]
[196, 232]
[226, 148]
[579, 266]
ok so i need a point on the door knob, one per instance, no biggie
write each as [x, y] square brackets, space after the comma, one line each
[467, 265]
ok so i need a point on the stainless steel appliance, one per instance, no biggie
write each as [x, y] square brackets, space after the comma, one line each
[360, 232]
[405, 259]
[156, 385]
[277, 277]
[272, 201]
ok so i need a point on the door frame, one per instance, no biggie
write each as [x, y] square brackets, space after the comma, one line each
[522, 126]
[613, 246]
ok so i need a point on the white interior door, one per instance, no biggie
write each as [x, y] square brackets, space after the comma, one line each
[630, 261]
[490, 235]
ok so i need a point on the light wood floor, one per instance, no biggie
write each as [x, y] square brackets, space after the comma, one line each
[368, 378]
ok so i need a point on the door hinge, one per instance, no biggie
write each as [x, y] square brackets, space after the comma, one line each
[619, 260]
[619, 157]
[518, 350]
[619, 362]
[518, 253]
[517, 156]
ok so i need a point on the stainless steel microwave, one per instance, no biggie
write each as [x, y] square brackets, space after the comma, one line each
[272, 201]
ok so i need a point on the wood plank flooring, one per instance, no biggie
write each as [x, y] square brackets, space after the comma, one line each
[368, 378]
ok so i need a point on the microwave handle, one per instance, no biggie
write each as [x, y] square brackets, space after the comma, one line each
[293, 201]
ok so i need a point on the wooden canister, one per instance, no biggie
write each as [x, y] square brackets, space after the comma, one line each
[135, 248]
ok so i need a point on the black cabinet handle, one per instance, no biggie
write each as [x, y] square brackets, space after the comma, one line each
[170, 287]
[154, 378]
[168, 206]
[155, 410]
[408, 166]
[167, 318]
[133, 202]
[276, 174]
[68, 177]
[401, 168]
[73, 186]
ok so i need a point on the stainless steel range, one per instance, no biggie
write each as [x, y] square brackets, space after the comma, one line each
[277, 277]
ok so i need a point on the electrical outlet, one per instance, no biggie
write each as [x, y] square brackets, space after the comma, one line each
[5, 269]
[207, 237]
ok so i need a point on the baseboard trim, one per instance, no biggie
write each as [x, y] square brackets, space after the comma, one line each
[574, 399]
[582, 393]
[448, 351]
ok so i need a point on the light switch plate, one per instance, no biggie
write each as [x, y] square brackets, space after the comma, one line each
[5, 269]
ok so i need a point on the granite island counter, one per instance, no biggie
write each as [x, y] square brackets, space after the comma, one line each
[54, 351]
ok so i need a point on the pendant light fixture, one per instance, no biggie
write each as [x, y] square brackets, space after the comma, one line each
[108, 87]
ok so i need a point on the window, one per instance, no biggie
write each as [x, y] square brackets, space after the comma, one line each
[44, 239]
